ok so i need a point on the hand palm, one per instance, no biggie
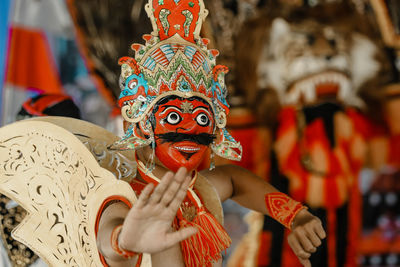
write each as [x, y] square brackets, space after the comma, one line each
[148, 226]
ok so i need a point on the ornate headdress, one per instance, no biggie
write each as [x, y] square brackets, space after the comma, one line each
[174, 60]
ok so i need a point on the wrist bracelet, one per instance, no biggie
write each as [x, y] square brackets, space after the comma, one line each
[115, 246]
[282, 208]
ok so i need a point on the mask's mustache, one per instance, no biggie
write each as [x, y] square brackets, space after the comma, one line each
[201, 139]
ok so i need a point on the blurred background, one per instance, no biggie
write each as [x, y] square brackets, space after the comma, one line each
[315, 101]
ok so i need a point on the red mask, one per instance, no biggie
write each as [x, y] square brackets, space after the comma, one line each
[183, 132]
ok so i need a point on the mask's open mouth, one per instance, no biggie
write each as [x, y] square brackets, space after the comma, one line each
[187, 156]
[328, 84]
[186, 150]
[130, 100]
[328, 89]
[127, 100]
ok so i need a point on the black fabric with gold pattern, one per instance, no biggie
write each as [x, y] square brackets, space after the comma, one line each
[18, 253]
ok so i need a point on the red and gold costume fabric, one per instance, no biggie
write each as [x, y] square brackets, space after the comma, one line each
[312, 163]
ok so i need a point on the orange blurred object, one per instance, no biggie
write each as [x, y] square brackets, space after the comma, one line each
[30, 64]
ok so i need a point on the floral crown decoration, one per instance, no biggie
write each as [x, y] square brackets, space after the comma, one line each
[174, 60]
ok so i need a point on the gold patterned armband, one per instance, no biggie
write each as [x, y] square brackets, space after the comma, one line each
[282, 208]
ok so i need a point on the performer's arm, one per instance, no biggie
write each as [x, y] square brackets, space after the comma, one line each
[112, 217]
[146, 227]
[255, 193]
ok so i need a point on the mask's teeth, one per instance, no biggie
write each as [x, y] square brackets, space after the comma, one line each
[187, 149]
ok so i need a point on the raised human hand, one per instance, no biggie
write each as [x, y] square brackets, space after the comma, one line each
[148, 225]
[306, 235]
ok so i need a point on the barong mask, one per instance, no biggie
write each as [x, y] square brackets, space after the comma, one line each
[173, 94]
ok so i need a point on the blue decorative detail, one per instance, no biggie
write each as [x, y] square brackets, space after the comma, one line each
[228, 136]
[190, 51]
[184, 86]
[141, 82]
[220, 92]
[168, 51]
[151, 98]
[142, 108]
[150, 63]
[129, 131]
[177, 1]
[206, 67]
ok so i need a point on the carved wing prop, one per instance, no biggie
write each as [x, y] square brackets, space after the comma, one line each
[98, 141]
[52, 175]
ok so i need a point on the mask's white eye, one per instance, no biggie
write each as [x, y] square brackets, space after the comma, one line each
[173, 118]
[202, 119]
[132, 84]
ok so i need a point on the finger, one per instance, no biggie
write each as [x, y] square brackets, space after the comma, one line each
[180, 196]
[178, 236]
[144, 196]
[161, 187]
[304, 240]
[297, 248]
[320, 230]
[182, 173]
[305, 263]
[172, 190]
[313, 236]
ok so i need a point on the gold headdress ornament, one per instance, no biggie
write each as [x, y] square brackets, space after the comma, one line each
[174, 60]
